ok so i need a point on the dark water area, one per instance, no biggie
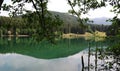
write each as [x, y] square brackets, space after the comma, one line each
[25, 54]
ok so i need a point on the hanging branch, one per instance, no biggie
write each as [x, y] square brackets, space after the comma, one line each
[78, 15]
[40, 12]
[80, 7]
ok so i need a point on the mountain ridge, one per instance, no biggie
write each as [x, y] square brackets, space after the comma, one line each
[71, 19]
[101, 20]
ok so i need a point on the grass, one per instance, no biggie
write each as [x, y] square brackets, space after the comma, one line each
[87, 34]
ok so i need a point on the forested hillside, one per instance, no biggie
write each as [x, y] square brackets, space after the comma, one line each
[71, 25]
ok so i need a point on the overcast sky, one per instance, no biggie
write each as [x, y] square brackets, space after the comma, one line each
[62, 6]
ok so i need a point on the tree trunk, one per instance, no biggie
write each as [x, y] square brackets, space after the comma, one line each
[1, 1]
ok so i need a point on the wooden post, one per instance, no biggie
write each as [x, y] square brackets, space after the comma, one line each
[96, 59]
[88, 56]
[0, 33]
[82, 59]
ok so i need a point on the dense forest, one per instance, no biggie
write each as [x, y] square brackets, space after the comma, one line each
[20, 26]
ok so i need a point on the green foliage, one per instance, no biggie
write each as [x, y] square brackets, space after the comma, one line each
[115, 49]
[42, 23]
[116, 6]
[84, 6]
[52, 24]
[28, 25]
[115, 46]
[6, 7]
[80, 7]
[114, 29]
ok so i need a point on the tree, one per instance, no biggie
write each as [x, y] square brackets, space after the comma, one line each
[46, 23]
[80, 7]
[114, 28]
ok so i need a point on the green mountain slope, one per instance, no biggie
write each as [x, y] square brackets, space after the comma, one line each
[67, 18]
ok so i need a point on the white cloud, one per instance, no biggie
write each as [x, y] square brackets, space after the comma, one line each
[62, 6]
[7, 1]
[58, 5]
[101, 12]
[3, 13]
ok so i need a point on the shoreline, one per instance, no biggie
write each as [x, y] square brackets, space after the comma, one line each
[87, 34]
[72, 35]
[68, 35]
[15, 36]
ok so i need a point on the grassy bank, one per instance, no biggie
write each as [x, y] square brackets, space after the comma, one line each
[87, 34]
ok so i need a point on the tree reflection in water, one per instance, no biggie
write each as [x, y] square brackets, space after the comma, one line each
[99, 59]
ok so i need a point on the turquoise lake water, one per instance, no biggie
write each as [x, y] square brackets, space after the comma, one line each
[25, 54]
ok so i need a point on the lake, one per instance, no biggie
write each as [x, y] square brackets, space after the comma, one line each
[25, 54]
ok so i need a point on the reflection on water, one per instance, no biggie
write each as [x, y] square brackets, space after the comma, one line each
[17, 62]
[25, 54]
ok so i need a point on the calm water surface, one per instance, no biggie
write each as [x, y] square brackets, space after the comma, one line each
[25, 54]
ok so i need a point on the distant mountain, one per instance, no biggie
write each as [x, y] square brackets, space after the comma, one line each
[101, 20]
[70, 19]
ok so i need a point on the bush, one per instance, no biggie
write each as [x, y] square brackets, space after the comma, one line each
[115, 49]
